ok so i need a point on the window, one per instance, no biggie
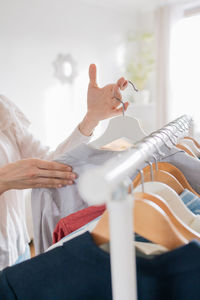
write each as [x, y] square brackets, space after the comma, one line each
[185, 70]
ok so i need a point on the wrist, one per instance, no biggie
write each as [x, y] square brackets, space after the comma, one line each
[87, 125]
[2, 188]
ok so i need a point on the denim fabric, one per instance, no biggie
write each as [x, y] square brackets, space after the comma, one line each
[191, 201]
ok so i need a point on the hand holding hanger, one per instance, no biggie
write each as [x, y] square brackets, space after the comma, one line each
[101, 103]
[121, 126]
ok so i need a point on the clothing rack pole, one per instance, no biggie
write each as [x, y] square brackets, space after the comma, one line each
[123, 267]
[109, 186]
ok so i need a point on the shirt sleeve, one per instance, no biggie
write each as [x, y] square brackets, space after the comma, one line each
[13, 120]
[31, 147]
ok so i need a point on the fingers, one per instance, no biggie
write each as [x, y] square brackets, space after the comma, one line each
[122, 83]
[57, 174]
[52, 165]
[119, 111]
[117, 93]
[49, 183]
[93, 74]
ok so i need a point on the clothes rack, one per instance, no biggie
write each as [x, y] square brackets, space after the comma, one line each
[108, 184]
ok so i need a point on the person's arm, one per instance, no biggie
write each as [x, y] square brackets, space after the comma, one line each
[34, 173]
[101, 104]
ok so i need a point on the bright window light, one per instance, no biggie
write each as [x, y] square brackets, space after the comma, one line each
[185, 70]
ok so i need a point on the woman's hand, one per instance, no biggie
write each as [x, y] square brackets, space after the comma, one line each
[101, 102]
[35, 173]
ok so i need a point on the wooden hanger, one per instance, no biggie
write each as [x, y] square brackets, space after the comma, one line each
[184, 148]
[190, 138]
[150, 221]
[185, 230]
[161, 176]
[118, 128]
[170, 169]
[191, 145]
[172, 198]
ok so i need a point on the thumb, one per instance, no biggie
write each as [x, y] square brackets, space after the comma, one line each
[93, 74]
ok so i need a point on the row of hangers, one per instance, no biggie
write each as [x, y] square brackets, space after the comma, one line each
[119, 127]
[159, 213]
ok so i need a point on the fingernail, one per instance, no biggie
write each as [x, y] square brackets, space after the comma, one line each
[73, 176]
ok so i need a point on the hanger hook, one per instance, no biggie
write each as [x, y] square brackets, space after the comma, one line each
[142, 179]
[162, 131]
[146, 139]
[135, 89]
[170, 138]
[183, 125]
[189, 122]
[128, 183]
[123, 105]
[151, 169]
[154, 135]
[173, 133]
[156, 162]
[177, 126]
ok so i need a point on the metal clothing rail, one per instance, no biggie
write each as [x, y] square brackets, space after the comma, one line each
[108, 184]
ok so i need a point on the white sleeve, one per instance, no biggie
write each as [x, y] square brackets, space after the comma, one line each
[31, 147]
[13, 119]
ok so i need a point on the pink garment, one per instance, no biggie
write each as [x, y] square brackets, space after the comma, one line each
[76, 220]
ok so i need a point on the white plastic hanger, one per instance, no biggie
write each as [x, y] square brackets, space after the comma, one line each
[192, 147]
[172, 198]
[120, 127]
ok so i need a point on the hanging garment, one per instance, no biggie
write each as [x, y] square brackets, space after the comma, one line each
[191, 201]
[51, 205]
[80, 218]
[76, 220]
[16, 143]
[81, 270]
[140, 243]
[87, 227]
[187, 164]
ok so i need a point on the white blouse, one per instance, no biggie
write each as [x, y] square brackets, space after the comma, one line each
[16, 143]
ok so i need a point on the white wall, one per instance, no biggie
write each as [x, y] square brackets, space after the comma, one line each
[32, 33]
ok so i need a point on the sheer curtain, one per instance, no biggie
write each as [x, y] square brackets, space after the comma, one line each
[166, 17]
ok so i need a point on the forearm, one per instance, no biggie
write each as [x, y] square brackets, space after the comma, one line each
[2, 190]
[87, 125]
[3, 187]
[31, 147]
